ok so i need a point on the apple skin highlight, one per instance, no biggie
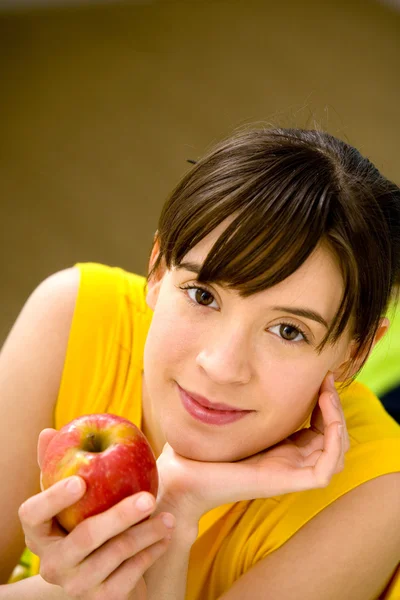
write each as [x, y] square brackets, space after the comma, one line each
[110, 453]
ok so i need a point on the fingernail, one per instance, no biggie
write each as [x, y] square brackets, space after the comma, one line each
[340, 430]
[168, 520]
[335, 400]
[144, 502]
[74, 485]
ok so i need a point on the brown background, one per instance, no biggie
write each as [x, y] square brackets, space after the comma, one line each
[102, 106]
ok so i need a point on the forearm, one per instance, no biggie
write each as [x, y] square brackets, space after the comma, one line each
[32, 588]
[167, 578]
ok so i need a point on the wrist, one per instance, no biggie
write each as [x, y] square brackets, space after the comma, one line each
[185, 533]
[186, 522]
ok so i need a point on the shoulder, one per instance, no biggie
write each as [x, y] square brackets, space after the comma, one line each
[36, 345]
[59, 289]
[93, 285]
[348, 550]
[108, 303]
[104, 285]
[371, 464]
[105, 342]
[346, 535]
[47, 314]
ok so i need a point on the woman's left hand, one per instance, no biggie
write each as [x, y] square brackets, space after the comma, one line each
[305, 460]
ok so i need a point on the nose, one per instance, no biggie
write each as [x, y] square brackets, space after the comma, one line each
[226, 358]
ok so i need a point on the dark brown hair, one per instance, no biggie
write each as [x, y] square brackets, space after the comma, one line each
[289, 190]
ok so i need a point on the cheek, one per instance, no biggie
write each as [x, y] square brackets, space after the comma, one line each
[292, 390]
[169, 340]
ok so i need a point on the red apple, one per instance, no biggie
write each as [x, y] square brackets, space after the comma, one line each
[110, 453]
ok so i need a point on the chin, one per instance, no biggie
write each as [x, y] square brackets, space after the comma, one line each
[192, 449]
[206, 451]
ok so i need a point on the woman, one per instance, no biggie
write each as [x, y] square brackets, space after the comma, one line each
[272, 267]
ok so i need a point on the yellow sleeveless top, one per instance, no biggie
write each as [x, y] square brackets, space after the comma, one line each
[103, 373]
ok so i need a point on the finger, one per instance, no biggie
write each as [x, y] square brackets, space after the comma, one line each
[94, 531]
[320, 465]
[346, 437]
[328, 383]
[332, 412]
[105, 560]
[327, 388]
[311, 459]
[315, 443]
[124, 580]
[335, 400]
[331, 454]
[45, 437]
[37, 513]
[340, 465]
[331, 408]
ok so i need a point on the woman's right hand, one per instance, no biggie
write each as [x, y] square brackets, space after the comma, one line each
[105, 556]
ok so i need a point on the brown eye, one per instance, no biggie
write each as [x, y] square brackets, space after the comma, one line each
[203, 297]
[288, 332]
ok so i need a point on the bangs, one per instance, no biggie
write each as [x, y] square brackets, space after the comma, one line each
[280, 194]
[276, 216]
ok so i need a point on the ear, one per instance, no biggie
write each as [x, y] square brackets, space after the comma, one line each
[349, 366]
[154, 282]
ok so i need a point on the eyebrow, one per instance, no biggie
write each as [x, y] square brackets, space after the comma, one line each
[303, 312]
[306, 313]
[189, 266]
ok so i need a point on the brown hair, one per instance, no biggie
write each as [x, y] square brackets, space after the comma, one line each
[288, 191]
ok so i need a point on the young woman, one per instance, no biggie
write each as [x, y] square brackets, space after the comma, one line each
[272, 267]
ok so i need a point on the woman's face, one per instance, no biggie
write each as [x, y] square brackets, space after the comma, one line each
[256, 354]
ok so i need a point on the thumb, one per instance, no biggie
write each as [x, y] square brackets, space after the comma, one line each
[45, 437]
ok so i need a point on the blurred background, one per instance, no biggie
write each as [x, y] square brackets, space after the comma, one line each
[103, 103]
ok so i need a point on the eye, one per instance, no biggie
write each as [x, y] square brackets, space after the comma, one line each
[289, 333]
[199, 295]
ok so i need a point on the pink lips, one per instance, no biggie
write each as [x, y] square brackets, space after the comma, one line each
[207, 412]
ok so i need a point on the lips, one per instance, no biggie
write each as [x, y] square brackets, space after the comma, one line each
[211, 405]
[212, 413]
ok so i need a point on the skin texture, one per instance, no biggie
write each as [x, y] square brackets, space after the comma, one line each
[232, 351]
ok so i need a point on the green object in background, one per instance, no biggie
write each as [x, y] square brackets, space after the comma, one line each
[381, 372]
[23, 569]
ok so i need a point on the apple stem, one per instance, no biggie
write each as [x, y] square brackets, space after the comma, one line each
[92, 443]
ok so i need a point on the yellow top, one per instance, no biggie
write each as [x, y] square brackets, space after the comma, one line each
[103, 373]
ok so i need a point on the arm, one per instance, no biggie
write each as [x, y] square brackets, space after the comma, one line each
[189, 488]
[167, 578]
[32, 588]
[348, 551]
[31, 363]
[104, 556]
